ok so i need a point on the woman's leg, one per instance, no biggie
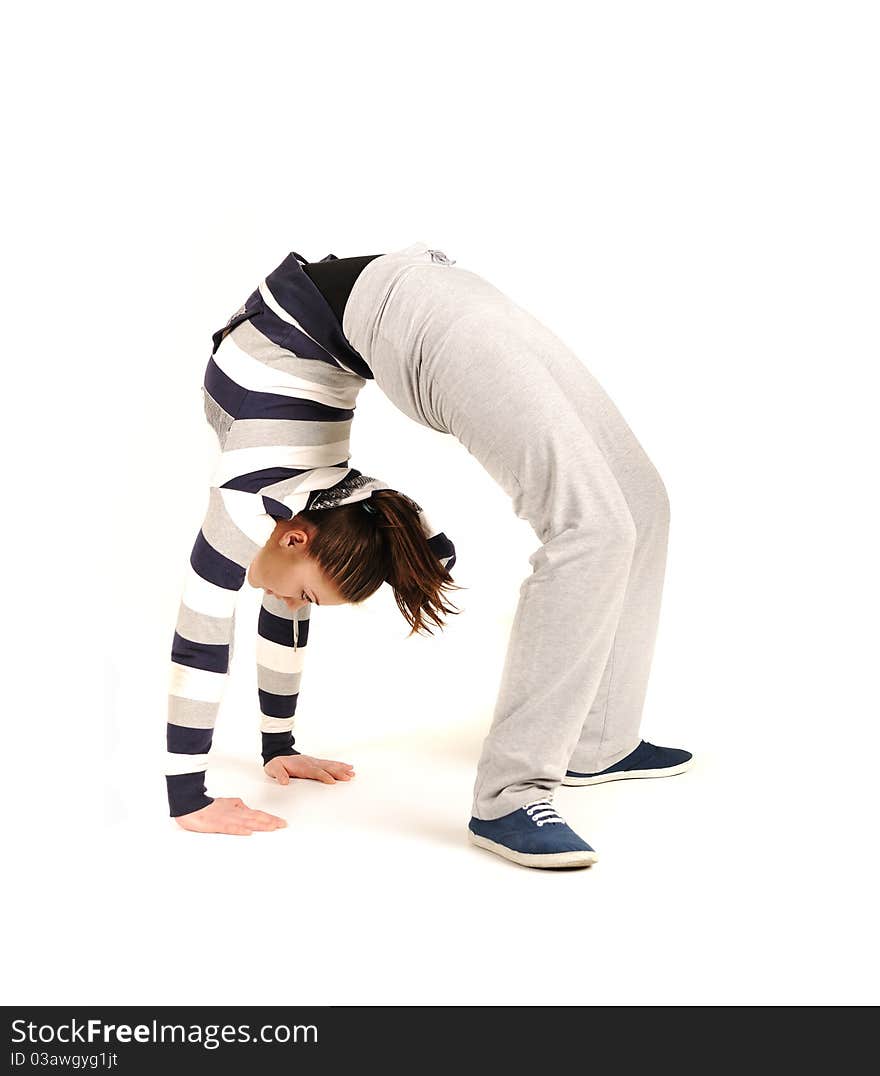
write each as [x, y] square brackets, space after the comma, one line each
[570, 605]
[491, 391]
[611, 728]
[456, 354]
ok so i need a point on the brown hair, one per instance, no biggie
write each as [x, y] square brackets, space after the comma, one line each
[360, 551]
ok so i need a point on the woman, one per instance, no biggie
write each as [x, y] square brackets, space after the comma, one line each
[287, 513]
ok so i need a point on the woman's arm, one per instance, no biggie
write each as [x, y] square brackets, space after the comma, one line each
[234, 529]
[281, 638]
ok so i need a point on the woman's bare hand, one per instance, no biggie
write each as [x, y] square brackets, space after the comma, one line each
[284, 767]
[229, 815]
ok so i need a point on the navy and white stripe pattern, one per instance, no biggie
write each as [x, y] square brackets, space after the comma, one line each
[279, 391]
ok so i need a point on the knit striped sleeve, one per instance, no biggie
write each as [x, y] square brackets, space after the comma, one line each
[282, 635]
[234, 529]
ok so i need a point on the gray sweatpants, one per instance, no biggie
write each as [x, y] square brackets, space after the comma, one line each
[455, 354]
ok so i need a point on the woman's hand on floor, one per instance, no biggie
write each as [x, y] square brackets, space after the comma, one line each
[229, 815]
[283, 767]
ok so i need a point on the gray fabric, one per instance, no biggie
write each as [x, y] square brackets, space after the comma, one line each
[277, 683]
[201, 628]
[262, 432]
[223, 534]
[219, 419]
[454, 353]
[192, 713]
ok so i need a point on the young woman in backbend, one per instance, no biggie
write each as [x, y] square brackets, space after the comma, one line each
[288, 513]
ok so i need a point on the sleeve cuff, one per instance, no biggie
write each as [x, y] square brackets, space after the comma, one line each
[278, 743]
[186, 793]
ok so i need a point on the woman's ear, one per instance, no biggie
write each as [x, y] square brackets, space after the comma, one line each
[297, 536]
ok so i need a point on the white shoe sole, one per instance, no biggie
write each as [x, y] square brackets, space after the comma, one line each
[628, 775]
[535, 859]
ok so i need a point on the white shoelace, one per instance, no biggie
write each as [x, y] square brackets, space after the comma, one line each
[541, 812]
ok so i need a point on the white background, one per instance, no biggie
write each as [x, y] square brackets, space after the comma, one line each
[687, 194]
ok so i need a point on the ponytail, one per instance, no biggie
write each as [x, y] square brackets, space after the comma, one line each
[362, 545]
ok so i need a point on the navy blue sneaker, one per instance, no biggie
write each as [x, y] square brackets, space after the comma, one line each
[533, 836]
[646, 761]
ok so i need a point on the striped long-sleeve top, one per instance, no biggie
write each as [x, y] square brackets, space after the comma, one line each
[279, 390]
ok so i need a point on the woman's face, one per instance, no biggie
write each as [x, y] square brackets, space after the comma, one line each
[284, 569]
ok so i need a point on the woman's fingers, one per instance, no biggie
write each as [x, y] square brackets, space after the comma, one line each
[278, 770]
[334, 767]
[327, 771]
[270, 819]
[248, 819]
[254, 819]
[340, 770]
[230, 815]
